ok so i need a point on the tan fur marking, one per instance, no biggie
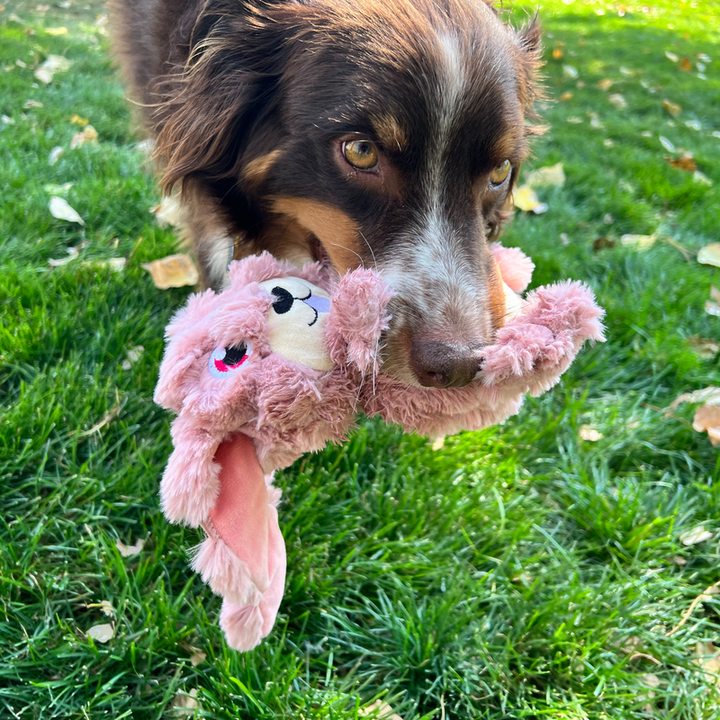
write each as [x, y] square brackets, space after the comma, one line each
[391, 135]
[496, 297]
[336, 231]
[256, 170]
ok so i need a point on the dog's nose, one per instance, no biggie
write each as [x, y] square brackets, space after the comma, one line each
[437, 364]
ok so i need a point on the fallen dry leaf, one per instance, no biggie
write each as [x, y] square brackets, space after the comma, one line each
[168, 212]
[666, 143]
[53, 64]
[570, 72]
[30, 104]
[712, 306]
[61, 210]
[525, 198]
[704, 348]
[133, 355]
[709, 395]
[380, 710]
[72, 254]
[56, 31]
[603, 242]
[107, 608]
[566, 96]
[696, 536]
[438, 442]
[671, 108]
[88, 135]
[650, 680]
[710, 255]
[707, 419]
[589, 433]
[55, 154]
[605, 84]
[77, 120]
[707, 656]
[197, 657]
[671, 56]
[128, 550]
[641, 242]
[557, 53]
[685, 65]
[101, 633]
[686, 163]
[618, 101]
[185, 703]
[117, 264]
[550, 175]
[173, 271]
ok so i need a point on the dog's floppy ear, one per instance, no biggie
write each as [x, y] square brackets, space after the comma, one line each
[230, 78]
[529, 62]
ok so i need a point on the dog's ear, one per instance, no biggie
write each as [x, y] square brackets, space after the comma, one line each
[229, 81]
[529, 61]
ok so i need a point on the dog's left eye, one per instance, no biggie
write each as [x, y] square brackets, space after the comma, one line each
[500, 174]
[361, 154]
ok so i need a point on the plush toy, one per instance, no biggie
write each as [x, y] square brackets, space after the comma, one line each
[258, 375]
[279, 364]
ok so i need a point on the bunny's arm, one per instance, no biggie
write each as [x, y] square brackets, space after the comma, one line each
[190, 483]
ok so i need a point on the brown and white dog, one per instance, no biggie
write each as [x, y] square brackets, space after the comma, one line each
[384, 133]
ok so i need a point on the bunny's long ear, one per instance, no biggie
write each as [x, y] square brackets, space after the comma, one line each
[357, 318]
[184, 347]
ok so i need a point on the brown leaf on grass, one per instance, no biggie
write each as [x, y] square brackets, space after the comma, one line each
[709, 395]
[710, 255]
[603, 242]
[685, 65]
[53, 64]
[589, 433]
[198, 657]
[128, 550]
[640, 242]
[173, 271]
[686, 163]
[707, 419]
[60, 209]
[557, 53]
[704, 348]
[671, 108]
[101, 633]
[380, 710]
[548, 176]
[605, 84]
[88, 135]
[168, 212]
[72, 253]
[185, 703]
[695, 536]
[707, 656]
[618, 101]
[566, 96]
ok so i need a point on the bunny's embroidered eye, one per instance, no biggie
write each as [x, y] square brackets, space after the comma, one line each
[225, 360]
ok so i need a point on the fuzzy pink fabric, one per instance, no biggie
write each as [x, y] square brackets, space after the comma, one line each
[516, 268]
[231, 431]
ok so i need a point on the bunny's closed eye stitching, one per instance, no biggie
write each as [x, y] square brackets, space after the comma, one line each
[224, 361]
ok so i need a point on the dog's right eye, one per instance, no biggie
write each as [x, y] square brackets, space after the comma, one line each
[500, 174]
[361, 154]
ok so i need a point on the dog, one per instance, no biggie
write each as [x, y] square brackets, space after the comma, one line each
[378, 133]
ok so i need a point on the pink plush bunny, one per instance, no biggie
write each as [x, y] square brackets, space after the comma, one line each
[277, 365]
[258, 375]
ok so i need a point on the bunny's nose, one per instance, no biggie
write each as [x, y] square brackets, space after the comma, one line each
[439, 365]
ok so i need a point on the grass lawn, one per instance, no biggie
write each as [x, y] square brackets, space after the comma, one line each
[519, 572]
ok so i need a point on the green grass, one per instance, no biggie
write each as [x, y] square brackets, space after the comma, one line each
[512, 574]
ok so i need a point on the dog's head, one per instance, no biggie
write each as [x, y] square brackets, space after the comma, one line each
[376, 133]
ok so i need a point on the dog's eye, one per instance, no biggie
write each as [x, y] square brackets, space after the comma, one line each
[361, 154]
[224, 360]
[500, 174]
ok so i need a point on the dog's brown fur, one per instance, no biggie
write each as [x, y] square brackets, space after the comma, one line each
[250, 102]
